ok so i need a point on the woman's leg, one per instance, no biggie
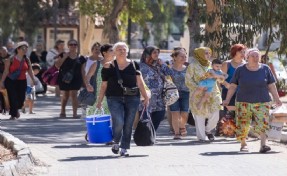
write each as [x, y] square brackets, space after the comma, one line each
[184, 109]
[12, 96]
[200, 127]
[64, 100]
[243, 119]
[116, 107]
[175, 115]
[73, 94]
[261, 117]
[131, 105]
[157, 117]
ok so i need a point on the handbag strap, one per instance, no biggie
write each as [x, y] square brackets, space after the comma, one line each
[120, 80]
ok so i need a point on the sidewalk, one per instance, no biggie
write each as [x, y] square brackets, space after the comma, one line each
[60, 147]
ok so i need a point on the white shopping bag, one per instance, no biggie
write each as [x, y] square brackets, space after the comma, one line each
[275, 130]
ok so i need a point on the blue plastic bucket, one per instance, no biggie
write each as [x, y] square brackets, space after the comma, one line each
[99, 128]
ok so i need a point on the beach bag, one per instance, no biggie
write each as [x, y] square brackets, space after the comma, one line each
[170, 93]
[50, 76]
[226, 125]
[144, 134]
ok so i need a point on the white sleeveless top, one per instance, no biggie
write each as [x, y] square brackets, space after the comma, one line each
[89, 63]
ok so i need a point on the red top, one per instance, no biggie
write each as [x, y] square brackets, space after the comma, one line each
[15, 65]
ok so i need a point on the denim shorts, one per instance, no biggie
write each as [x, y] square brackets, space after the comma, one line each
[182, 104]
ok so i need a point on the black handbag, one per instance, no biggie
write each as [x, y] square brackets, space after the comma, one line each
[89, 98]
[145, 134]
[69, 75]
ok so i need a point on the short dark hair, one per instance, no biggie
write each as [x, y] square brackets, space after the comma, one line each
[97, 44]
[58, 42]
[216, 61]
[105, 48]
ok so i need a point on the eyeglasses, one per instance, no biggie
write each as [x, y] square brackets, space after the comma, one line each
[24, 47]
[73, 44]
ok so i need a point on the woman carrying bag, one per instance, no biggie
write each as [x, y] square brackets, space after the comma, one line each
[123, 95]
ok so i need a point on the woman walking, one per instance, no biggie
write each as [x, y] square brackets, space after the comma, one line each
[154, 71]
[210, 110]
[179, 110]
[14, 78]
[252, 99]
[122, 101]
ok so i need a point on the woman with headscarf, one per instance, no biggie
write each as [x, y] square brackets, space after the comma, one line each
[153, 72]
[210, 109]
[256, 81]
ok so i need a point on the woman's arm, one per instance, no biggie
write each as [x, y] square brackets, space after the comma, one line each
[230, 93]
[224, 67]
[103, 89]
[273, 90]
[88, 77]
[166, 70]
[140, 83]
[189, 78]
[6, 72]
[60, 59]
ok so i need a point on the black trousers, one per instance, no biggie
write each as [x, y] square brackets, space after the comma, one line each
[16, 90]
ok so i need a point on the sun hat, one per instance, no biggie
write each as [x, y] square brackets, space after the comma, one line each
[22, 43]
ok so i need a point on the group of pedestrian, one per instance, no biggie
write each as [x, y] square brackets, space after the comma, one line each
[119, 82]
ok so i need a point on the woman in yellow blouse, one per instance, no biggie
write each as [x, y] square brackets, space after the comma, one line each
[210, 109]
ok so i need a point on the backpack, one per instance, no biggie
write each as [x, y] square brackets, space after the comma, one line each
[144, 134]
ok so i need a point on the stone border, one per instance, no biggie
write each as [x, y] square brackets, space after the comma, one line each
[24, 160]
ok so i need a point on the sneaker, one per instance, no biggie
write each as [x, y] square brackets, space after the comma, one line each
[264, 149]
[124, 152]
[115, 148]
[210, 137]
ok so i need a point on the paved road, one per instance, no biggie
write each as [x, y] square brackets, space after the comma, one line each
[61, 150]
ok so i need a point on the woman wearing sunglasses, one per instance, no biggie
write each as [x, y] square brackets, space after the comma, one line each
[14, 78]
[71, 72]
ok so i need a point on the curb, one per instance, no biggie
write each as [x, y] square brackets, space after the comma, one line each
[24, 160]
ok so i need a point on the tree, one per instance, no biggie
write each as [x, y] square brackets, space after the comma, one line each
[239, 21]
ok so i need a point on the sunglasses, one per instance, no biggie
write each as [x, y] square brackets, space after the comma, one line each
[24, 47]
[73, 44]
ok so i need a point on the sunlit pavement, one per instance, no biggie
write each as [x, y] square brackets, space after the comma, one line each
[59, 147]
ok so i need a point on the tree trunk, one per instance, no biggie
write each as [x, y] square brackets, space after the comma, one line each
[193, 25]
[111, 30]
[213, 25]
[87, 31]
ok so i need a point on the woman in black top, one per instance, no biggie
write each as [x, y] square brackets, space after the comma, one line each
[122, 105]
[70, 62]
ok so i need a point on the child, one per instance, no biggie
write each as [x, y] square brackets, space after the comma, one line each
[31, 91]
[206, 85]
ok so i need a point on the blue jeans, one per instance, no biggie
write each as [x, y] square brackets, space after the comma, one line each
[123, 110]
[182, 104]
[156, 117]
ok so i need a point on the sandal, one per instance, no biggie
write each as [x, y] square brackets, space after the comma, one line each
[177, 137]
[264, 149]
[183, 131]
[244, 148]
[62, 115]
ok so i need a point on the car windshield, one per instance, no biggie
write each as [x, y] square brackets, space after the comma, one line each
[278, 65]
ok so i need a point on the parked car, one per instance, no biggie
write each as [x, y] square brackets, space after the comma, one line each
[280, 70]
